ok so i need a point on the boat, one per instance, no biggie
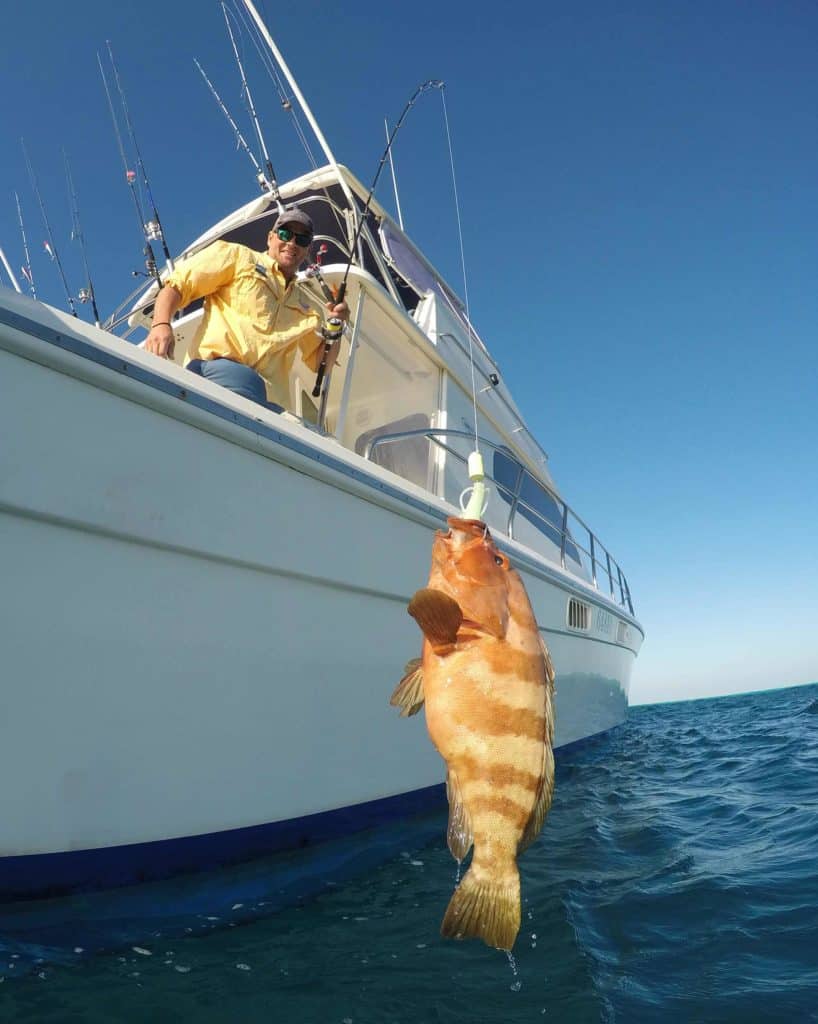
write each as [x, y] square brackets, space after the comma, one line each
[208, 609]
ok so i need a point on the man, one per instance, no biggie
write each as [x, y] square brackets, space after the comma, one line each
[253, 319]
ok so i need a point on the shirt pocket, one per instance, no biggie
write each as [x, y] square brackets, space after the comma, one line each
[256, 298]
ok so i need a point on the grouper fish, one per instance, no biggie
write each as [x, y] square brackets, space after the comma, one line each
[487, 681]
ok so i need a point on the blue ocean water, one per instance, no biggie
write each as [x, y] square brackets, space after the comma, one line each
[676, 879]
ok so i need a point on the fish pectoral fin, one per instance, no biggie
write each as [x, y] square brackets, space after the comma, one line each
[408, 695]
[438, 615]
[459, 835]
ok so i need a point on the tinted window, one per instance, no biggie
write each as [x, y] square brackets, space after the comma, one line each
[535, 503]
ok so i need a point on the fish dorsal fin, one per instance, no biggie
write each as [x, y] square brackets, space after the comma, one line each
[437, 614]
[546, 787]
[544, 797]
[549, 665]
[408, 695]
[459, 834]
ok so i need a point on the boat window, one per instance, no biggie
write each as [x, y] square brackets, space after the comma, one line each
[413, 270]
[535, 504]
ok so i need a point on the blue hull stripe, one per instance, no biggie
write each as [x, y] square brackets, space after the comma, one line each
[45, 875]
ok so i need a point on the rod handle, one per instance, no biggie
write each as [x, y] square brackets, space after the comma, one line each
[331, 332]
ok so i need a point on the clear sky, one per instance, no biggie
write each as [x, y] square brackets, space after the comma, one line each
[639, 192]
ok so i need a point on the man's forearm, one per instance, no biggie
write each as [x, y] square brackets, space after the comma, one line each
[167, 303]
[160, 336]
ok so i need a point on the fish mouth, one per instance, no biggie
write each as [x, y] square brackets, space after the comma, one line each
[472, 527]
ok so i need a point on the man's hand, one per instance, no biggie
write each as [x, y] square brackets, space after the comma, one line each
[160, 341]
[341, 310]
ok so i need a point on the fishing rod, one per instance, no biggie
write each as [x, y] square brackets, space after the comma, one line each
[261, 178]
[271, 176]
[432, 83]
[50, 245]
[130, 179]
[86, 294]
[155, 225]
[330, 332]
[25, 270]
[394, 179]
[333, 327]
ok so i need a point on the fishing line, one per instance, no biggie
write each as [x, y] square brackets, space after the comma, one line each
[475, 506]
[463, 267]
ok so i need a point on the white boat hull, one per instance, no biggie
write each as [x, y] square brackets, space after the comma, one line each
[202, 622]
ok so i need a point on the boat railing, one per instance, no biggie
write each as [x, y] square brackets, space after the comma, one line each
[570, 534]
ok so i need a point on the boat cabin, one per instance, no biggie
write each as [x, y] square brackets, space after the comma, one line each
[400, 395]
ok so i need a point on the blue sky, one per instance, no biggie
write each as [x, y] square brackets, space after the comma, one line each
[639, 192]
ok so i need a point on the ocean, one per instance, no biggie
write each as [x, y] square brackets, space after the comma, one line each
[676, 879]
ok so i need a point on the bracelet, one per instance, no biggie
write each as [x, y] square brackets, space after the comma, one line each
[162, 323]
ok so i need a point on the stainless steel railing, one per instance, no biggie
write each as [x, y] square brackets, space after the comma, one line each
[563, 527]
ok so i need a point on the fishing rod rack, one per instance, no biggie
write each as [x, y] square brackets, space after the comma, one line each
[523, 493]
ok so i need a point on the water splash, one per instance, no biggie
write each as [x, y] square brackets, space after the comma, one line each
[516, 985]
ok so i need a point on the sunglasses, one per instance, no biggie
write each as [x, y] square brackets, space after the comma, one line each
[300, 239]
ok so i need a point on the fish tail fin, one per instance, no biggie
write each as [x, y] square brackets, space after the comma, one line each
[484, 908]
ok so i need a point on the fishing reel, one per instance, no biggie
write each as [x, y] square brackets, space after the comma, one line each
[332, 330]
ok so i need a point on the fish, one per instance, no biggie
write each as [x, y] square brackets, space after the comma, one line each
[486, 680]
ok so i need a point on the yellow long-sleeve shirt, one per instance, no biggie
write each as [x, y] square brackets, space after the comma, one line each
[251, 314]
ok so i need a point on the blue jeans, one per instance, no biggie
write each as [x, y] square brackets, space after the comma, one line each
[236, 377]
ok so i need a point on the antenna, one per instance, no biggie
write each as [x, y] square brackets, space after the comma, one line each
[86, 294]
[50, 245]
[394, 179]
[266, 185]
[25, 270]
[245, 88]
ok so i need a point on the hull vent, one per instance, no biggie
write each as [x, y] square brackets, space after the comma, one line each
[579, 614]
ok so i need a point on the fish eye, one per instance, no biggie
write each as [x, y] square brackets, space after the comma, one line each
[499, 560]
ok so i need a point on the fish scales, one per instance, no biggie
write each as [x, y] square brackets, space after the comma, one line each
[487, 681]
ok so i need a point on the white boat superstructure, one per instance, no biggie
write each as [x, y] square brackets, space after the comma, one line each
[205, 609]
